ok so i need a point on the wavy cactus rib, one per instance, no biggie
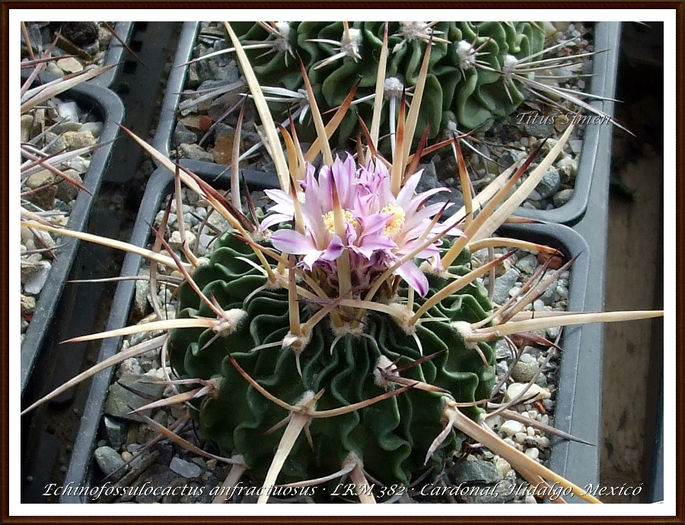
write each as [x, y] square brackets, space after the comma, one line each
[337, 56]
[390, 437]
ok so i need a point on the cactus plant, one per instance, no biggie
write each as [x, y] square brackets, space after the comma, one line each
[337, 55]
[358, 323]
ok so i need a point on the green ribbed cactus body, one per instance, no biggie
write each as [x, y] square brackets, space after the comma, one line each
[454, 93]
[391, 437]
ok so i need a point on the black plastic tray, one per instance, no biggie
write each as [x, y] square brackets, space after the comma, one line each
[114, 56]
[596, 150]
[111, 111]
[585, 424]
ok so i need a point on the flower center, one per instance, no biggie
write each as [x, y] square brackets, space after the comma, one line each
[394, 224]
[329, 220]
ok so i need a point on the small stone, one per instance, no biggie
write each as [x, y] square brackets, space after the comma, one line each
[529, 442]
[527, 264]
[67, 191]
[78, 139]
[28, 304]
[39, 179]
[26, 127]
[549, 183]
[520, 437]
[185, 468]
[534, 392]
[568, 167]
[126, 456]
[524, 369]
[34, 283]
[195, 152]
[502, 465]
[69, 65]
[562, 292]
[541, 380]
[80, 33]
[494, 422]
[121, 398]
[68, 111]
[511, 427]
[502, 350]
[532, 453]
[501, 368]
[95, 128]
[140, 302]
[476, 471]
[109, 461]
[130, 366]
[516, 290]
[503, 284]
[183, 135]
[79, 164]
[543, 442]
[116, 431]
[562, 197]
[54, 69]
[548, 295]
[175, 239]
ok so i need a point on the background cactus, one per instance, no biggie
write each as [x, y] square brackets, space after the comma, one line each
[336, 57]
[390, 437]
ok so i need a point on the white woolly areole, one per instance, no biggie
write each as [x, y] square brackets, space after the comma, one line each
[393, 87]
[383, 363]
[230, 321]
[412, 30]
[350, 45]
[464, 330]
[466, 54]
[509, 65]
[306, 398]
[402, 316]
[296, 343]
[283, 28]
[281, 43]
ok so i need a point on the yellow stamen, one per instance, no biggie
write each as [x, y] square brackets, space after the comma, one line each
[329, 220]
[394, 224]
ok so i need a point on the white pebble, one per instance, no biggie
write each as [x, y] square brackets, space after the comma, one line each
[511, 427]
[502, 465]
[532, 453]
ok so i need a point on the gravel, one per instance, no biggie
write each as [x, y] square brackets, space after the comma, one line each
[58, 126]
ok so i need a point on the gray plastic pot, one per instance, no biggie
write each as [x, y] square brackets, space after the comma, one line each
[583, 424]
[595, 153]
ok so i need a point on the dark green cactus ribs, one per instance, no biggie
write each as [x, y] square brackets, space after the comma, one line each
[465, 82]
[391, 437]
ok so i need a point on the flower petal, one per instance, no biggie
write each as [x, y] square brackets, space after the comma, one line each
[290, 241]
[414, 277]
